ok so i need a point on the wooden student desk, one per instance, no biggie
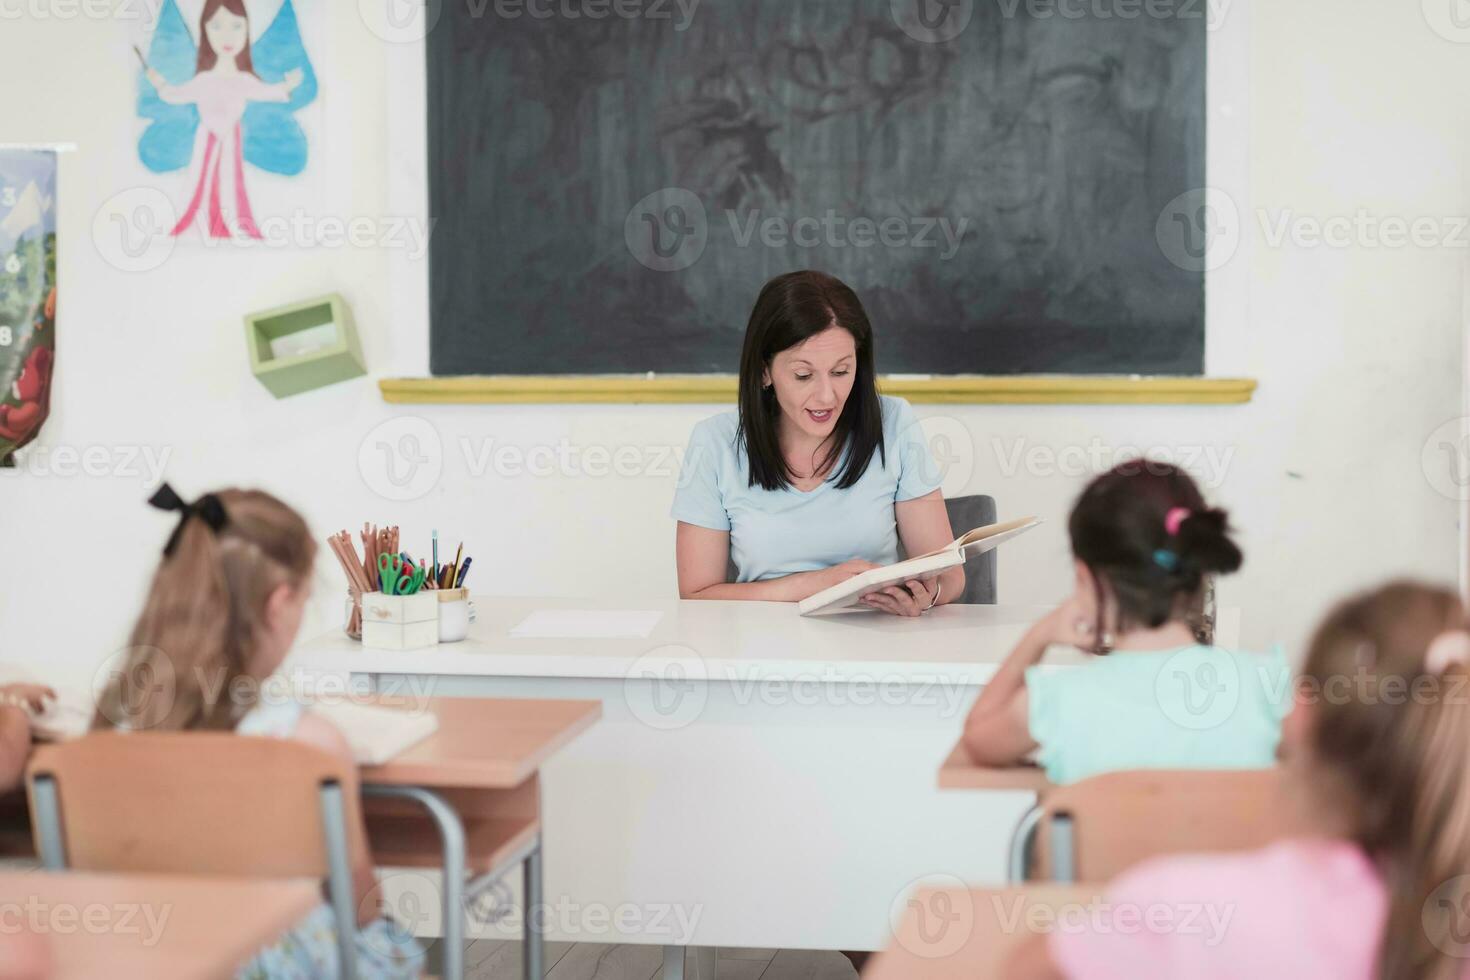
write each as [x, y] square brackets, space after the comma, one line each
[152, 927]
[958, 771]
[967, 934]
[468, 800]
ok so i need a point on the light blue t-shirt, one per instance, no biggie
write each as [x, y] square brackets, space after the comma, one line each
[781, 532]
[1195, 707]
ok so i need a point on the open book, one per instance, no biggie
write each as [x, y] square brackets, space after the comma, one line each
[847, 595]
[377, 734]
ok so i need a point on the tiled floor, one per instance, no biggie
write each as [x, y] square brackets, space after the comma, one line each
[490, 959]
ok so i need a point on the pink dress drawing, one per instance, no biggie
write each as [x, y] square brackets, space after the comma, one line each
[221, 97]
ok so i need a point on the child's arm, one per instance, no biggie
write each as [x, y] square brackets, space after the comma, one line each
[15, 746]
[998, 731]
[324, 735]
[15, 729]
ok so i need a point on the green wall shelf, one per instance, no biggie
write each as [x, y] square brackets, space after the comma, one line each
[304, 346]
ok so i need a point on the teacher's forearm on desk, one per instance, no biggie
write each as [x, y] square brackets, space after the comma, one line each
[787, 588]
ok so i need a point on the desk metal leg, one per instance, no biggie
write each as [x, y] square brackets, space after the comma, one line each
[704, 962]
[451, 835]
[535, 931]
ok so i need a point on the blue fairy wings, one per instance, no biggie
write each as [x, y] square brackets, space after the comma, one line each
[271, 137]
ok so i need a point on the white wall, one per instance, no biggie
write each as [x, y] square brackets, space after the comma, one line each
[1318, 107]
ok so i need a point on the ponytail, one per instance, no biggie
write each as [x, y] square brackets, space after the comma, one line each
[1144, 531]
[204, 615]
[1397, 754]
[1427, 869]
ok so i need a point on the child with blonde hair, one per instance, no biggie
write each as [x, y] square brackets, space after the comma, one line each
[222, 612]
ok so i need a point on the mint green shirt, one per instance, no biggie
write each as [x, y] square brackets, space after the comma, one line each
[1191, 708]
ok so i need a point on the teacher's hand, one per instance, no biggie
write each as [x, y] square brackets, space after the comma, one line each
[912, 598]
[837, 574]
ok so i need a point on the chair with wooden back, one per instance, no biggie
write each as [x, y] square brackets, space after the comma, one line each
[202, 803]
[1095, 828]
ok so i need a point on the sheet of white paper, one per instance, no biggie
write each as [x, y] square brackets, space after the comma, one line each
[588, 623]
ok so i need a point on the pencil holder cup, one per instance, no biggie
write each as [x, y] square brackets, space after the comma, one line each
[454, 614]
[400, 622]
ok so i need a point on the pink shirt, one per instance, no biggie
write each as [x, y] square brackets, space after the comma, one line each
[1295, 910]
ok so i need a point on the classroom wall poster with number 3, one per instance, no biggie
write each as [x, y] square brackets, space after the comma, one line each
[27, 295]
[229, 121]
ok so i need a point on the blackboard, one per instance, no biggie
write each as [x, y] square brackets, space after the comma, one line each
[1001, 200]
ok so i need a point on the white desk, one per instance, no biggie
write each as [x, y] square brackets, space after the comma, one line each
[757, 779]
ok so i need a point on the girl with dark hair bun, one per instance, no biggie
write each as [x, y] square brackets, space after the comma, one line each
[1144, 544]
[816, 477]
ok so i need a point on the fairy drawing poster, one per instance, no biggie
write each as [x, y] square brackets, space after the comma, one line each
[27, 294]
[225, 93]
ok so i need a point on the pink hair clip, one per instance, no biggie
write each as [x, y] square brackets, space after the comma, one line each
[1174, 518]
[1447, 649]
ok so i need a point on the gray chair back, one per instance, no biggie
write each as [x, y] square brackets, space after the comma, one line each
[965, 513]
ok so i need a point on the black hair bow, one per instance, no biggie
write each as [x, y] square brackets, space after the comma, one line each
[207, 508]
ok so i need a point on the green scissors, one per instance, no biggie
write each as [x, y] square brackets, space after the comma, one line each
[399, 577]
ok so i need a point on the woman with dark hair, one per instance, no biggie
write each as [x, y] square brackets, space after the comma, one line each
[817, 477]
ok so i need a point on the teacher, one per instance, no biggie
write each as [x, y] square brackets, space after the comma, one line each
[817, 477]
